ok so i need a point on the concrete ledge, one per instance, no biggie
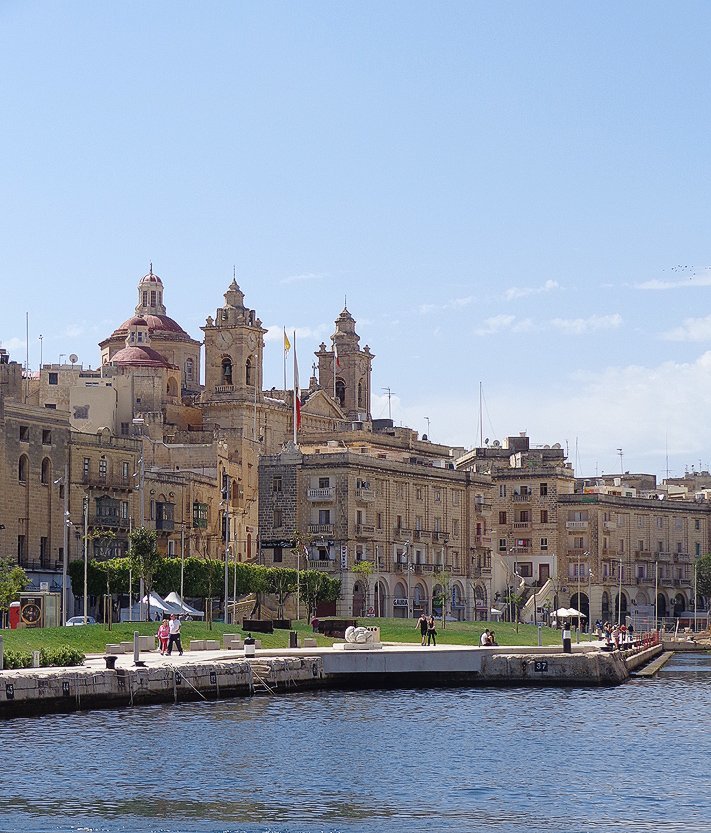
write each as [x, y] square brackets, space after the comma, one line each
[196, 645]
[212, 645]
[115, 649]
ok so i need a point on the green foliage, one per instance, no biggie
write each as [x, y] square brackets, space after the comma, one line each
[282, 583]
[13, 581]
[703, 575]
[144, 558]
[49, 657]
[316, 587]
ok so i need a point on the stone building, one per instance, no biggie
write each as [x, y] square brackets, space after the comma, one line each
[527, 485]
[418, 523]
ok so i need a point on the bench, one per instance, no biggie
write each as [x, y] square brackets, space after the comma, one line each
[115, 649]
[308, 642]
[212, 645]
[196, 645]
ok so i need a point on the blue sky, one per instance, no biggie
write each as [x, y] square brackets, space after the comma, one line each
[507, 193]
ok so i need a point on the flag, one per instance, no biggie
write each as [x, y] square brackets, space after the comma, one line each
[287, 343]
[297, 401]
[335, 353]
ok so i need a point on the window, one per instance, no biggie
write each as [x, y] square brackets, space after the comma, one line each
[697, 549]
[200, 515]
[85, 468]
[455, 528]
[46, 436]
[678, 548]
[324, 516]
[543, 489]
[153, 297]
[697, 524]
[103, 468]
[52, 407]
[124, 429]
[44, 548]
[418, 522]
[578, 542]
[124, 510]
[125, 472]
[171, 548]
[278, 555]
[502, 545]
[660, 546]
[399, 490]
[21, 548]
[524, 569]
[248, 375]
[398, 521]
[418, 493]
[502, 517]
[324, 482]
[544, 544]
[276, 483]
[455, 498]
[359, 517]
[53, 378]
[502, 491]
[189, 370]
[23, 469]
[544, 516]
[678, 523]
[437, 524]
[379, 520]
[24, 433]
[46, 471]
[227, 371]
[165, 513]
[660, 522]
[622, 545]
[278, 519]
[437, 495]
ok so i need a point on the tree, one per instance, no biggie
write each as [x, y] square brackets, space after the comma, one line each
[317, 587]
[364, 570]
[444, 579]
[703, 575]
[13, 581]
[282, 583]
[144, 558]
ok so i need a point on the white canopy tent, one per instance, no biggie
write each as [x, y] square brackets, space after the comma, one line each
[186, 609]
[157, 607]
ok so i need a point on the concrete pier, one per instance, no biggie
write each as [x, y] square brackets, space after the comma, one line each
[219, 674]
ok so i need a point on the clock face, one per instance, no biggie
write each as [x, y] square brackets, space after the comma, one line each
[224, 339]
[252, 341]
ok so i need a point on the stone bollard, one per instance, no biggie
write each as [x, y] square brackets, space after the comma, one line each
[2, 653]
[293, 639]
[35, 659]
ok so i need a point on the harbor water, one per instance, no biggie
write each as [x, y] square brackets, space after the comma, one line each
[517, 760]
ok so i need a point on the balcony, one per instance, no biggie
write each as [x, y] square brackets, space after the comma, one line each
[662, 556]
[326, 566]
[321, 529]
[521, 498]
[422, 535]
[481, 572]
[327, 494]
[402, 532]
[366, 495]
[97, 481]
[482, 540]
[225, 388]
[440, 536]
[363, 530]
[576, 524]
[609, 525]
[681, 557]
[165, 524]
[645, 555]
[109, 521]
[521, 524]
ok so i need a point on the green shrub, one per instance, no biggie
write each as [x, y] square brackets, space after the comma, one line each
[48, 657]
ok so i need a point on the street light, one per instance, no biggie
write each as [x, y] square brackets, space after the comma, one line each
[86, 555]
[64, 480]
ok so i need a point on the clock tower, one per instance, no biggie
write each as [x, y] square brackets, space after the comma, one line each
[234, 345]
[345, 370]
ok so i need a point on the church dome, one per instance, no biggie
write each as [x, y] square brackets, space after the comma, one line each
[151, 279]
[135, 356]
[160, 325]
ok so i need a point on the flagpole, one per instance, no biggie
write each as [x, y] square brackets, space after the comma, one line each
[296, 383]
[285, 351]
[335, 362]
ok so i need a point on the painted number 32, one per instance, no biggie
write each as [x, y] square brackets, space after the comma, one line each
[541, 665]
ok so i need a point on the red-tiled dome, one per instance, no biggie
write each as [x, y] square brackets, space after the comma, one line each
[156, 324]
[152, 279]
[136, 321]
[139, 357]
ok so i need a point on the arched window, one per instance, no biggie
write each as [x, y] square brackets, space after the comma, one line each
[249, 545]
[360, 394]
[172, 388]
[341, 391]
[227, 371]
[189, 370]
[46, 471]
[23, 469]
[248, 371]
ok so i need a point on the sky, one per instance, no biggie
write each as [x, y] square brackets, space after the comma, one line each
[511, 197]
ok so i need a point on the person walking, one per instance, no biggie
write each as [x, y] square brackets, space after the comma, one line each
[174, 635]
[163, 634]
[422, 625]
[431, 631]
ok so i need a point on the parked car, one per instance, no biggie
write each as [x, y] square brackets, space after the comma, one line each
[79, 620]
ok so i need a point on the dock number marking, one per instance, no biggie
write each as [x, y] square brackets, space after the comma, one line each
[9, 691]
[541, 665]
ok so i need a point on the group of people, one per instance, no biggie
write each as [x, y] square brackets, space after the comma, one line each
[615, 635]
[488, 638]
[169, 636]
[428, 631]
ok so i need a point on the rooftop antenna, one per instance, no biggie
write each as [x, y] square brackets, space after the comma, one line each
[390, 393]
[481, 419]
[428, 427]
[622, 468]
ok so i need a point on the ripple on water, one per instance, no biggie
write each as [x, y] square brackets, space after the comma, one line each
[509, 760]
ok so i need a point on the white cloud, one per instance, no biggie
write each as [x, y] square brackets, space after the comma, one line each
[692, 329]
[581, 326]
[307, 276]
[11, 344]
[276, 333]
[454, 303]
[495, 324]
[516, 292]
[689, 282]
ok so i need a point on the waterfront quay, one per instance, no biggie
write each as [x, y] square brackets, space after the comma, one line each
[211, 675]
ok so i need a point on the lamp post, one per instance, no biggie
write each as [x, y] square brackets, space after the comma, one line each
[590, 575]
[226, 496]
[64, 480]
[86, 555]
[619, 597]
[656, 595]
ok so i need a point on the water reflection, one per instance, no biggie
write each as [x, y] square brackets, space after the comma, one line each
[519, 760]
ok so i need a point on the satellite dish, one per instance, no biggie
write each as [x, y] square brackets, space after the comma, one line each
[73, 358]
[546, 446]
[486, 441]
[496, 444]
[557, 445]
